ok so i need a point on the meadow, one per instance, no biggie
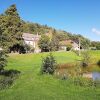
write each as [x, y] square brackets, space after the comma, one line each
[31, 85]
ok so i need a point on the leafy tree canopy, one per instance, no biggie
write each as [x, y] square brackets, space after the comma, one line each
[44, 43]
[10, 28]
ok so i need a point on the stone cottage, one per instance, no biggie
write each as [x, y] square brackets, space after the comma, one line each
[63, 45]
[32, 40]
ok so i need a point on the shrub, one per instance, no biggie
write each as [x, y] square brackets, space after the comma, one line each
[68, 47]
[98, 63]
[5, 82]
[86, 59]
[32, 50]
[7, 78]
[3, 60]
[48, 64]
[27, 48]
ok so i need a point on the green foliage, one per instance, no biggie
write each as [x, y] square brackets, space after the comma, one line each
[27, 48]
[3, 60]
[95, 44]
[12, 11]
[86, 58]
[98, 46]
[18, 48]
[11, 28]
[7, 78]
[32, 50]
[85, 43]
[54, 44]
[61, 35]
[98, 63]
[44, 43]
[84, 82]
[68, 47]
[48, 64]
[5, 82]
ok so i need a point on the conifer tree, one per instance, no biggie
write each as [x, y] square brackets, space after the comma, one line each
[11, 27]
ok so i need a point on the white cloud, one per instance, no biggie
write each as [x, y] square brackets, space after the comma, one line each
[96, 31]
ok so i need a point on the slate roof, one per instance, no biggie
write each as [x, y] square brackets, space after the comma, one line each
[30, 37]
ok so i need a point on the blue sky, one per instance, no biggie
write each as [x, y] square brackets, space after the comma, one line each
[76, 16]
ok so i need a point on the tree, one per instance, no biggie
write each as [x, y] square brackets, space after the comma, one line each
[27, 48]
[98, 46]
[11, 27]
[54, 44]
[44, 43]
[85, 43]
[12, 11]
[95, 44]
[48, 64]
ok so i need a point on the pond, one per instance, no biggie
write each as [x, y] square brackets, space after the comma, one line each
[96, 75]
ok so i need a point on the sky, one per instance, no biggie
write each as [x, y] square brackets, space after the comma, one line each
[75, 16]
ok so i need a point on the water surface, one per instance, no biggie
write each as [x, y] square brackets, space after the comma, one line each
[96, 75]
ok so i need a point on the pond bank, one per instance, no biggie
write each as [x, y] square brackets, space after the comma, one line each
[92, 75]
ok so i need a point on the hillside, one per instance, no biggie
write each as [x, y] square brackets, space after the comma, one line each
[13, 27]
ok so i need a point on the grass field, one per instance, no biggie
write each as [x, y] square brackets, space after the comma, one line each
[32, 86]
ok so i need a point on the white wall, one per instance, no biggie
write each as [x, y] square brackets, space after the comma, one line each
[75, 46]
[32, 43]
[1, 49]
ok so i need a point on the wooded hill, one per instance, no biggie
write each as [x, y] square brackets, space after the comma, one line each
[12, 27]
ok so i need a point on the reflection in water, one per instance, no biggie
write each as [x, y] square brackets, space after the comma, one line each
[96, 75]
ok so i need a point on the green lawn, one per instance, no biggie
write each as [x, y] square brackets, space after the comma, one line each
[32, 86]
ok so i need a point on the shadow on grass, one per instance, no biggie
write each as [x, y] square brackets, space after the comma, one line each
[10, 73]
[7, 78]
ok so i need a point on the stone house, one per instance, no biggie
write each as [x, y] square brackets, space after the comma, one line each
[32, 41]
[64, 44]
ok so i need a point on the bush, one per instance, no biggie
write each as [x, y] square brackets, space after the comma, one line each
[48, 64]
[86, 59]
[5, 82]
[27, 48]
[32, 50]
[7, 78]
[98, 63]
[68, 47]
[3, 60]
